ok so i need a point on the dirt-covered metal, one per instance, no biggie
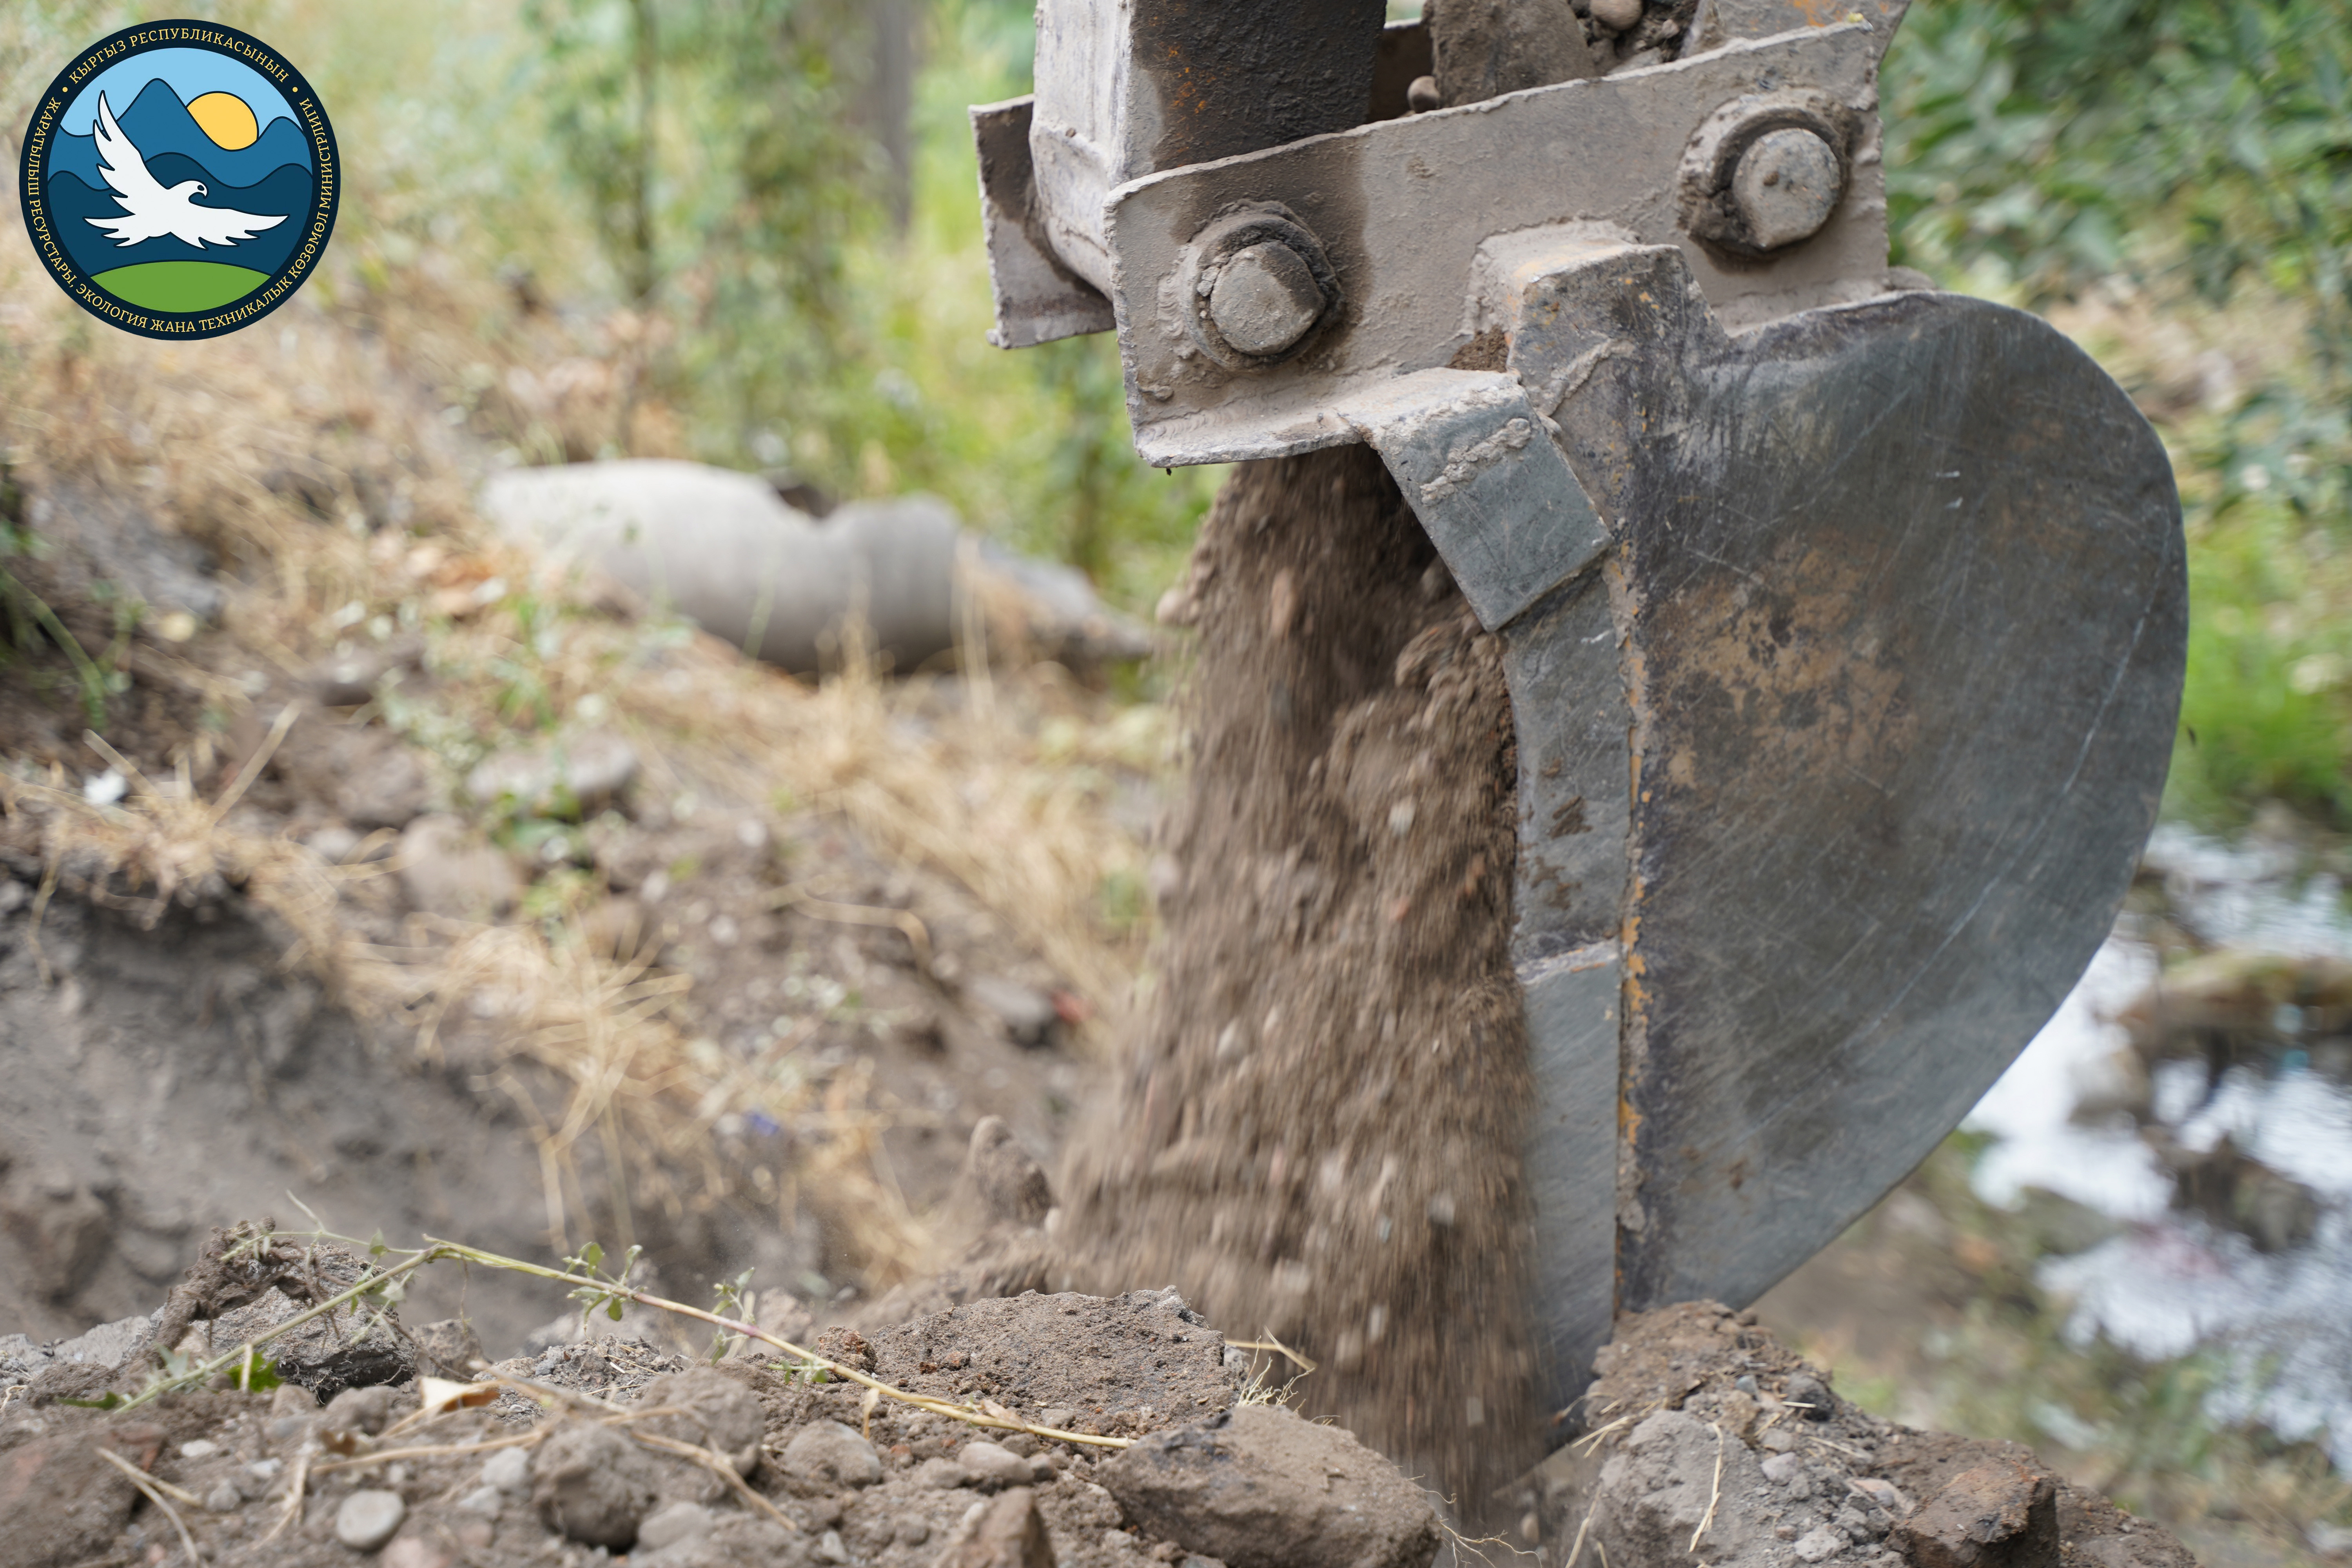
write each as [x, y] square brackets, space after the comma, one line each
[1843, 620]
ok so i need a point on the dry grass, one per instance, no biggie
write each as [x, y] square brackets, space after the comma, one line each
[313, 453]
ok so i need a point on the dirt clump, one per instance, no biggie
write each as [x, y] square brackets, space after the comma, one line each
[1316, 1131]
[1709, 1441]
[1257, 1486]
[751, 1461]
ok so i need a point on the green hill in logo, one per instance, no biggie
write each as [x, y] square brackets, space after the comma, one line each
[180, 285]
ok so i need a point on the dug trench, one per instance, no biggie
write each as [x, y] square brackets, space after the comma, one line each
[1310, 1140]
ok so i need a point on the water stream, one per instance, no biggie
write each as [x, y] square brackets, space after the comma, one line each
[2229, 1169]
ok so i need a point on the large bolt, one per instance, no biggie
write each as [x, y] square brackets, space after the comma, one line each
[1265, 299]
[1787, 183]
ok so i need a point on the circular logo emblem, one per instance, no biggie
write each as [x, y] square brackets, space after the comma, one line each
[180, 179]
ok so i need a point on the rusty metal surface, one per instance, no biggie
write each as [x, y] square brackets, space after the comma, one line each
[1908, 626]
[1039, 298]
[1401, 208]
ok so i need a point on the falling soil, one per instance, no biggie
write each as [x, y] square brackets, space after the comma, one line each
[1317, 1132]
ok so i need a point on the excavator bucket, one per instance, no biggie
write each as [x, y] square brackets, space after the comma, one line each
[1844, 619]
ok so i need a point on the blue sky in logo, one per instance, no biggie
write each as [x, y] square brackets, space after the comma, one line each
[190, 73]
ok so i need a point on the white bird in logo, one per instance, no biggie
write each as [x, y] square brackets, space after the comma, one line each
[154, 211]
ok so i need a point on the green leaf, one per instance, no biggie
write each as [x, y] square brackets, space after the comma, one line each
[613, 1308]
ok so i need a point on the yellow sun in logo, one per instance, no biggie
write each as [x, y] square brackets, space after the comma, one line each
[227, 119]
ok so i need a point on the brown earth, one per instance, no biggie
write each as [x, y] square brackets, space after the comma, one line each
[833, 1475]
[1711, 1442]
[1315, 1131]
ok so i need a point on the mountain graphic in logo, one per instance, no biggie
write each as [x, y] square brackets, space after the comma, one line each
[180, 179]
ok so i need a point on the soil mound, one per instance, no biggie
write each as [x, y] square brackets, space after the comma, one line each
[611, 1446]
[1709, 1441]
[1317, 1132]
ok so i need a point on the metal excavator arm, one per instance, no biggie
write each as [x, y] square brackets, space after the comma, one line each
[1844, 619]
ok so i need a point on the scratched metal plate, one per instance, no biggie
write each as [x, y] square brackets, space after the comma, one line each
[1910, 621]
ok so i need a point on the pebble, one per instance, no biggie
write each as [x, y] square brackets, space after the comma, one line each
[1819, 1542]
[1057, 1417]
[831, 1451]
[509, 1469]
[831, 1549]
[409, 1551]
[994, 1467]
[202, 1448]
[223, 1497]
[1783, 1469]
[1617, 16]
[914, 1531]
[1810, 1392]
[482, 1500]
[940, 1474]
[679, 1521]
[367, 1519]
[266, 1469]
[1883, 1495]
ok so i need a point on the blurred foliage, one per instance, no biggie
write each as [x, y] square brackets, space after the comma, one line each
[704, 193]
[2200, 149]
[734, 155]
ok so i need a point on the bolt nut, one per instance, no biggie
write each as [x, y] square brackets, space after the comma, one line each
[1257, 289]
[1766, 172]
[1785, 186]
[1265, 299]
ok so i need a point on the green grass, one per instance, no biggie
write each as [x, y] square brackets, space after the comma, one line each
[180, 285]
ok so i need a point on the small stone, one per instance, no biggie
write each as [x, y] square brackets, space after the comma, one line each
[1784, 1532]
[830, 1548]
[829, 1451]
[509, 1469]
[1881, 1494]
[413, 1552]
[484, 1499]
[1819, 1542]
[202, 1448]
[264, 1469]
[1778, 1439]
[941, 1474]
[1057, 1417]
[223, 1497]
[1317, 1498]
[913, 1532]
[993, 1466]
[1783, 1469]
[1812, 1395]
[1422, 95]
[1007, 1533]
[367, 1519]
[1617, 16]
[594, 1485]
[679, 1521]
